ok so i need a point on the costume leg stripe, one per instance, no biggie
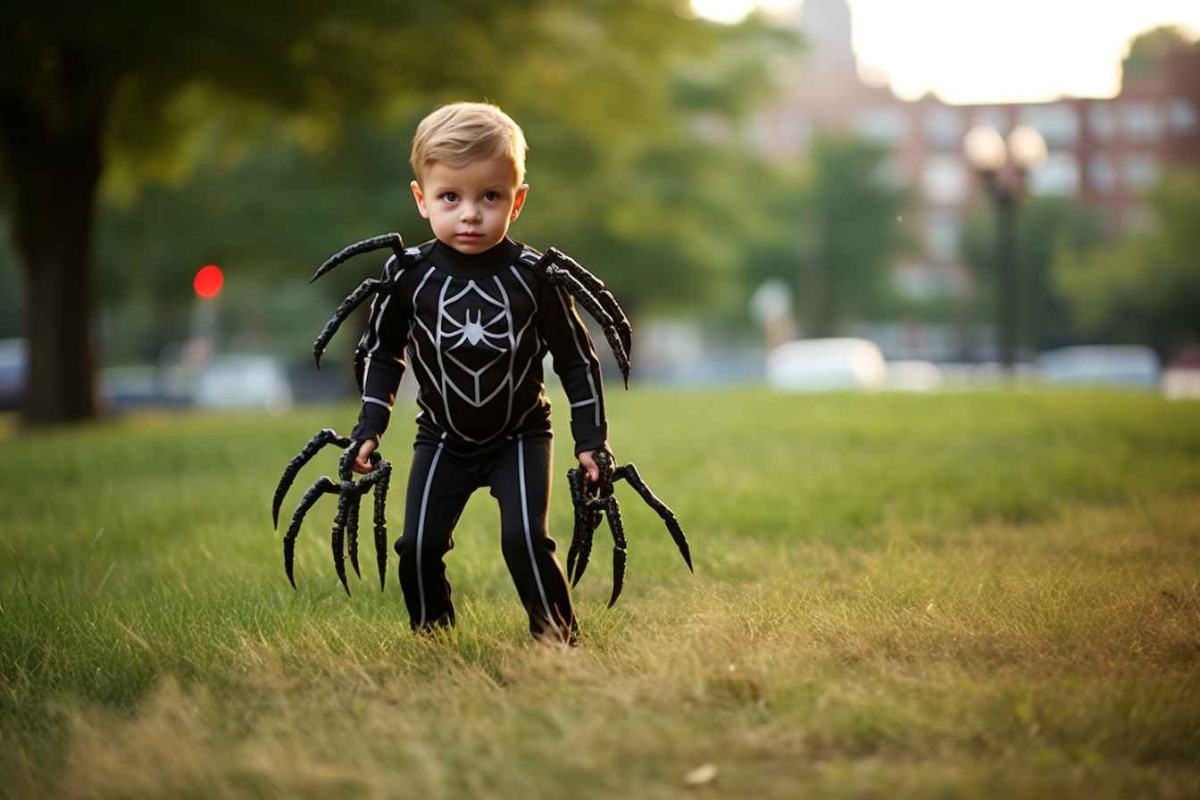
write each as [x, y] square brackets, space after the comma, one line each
[537, 576]
[421, 526]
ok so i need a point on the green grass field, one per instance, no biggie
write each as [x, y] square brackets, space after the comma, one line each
[991, 595]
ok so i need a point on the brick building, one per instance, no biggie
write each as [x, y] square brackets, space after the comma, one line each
[1103, 152]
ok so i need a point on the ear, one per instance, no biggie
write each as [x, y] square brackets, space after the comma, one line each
[519, 201]
[419, 196]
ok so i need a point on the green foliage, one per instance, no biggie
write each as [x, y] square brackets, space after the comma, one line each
[647, 197]
[979, 595]
[1147, 48]
[1145, 288]
[1044, 226]
[839, 235]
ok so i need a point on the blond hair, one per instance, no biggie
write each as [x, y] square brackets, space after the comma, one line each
[460, 133]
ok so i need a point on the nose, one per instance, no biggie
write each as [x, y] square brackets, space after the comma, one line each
[469, 212]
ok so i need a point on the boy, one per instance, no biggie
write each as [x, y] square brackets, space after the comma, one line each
[477, 322]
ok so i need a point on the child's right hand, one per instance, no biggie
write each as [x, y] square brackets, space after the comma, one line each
[362, 462]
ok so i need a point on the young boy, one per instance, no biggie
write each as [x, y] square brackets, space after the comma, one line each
[477, 322]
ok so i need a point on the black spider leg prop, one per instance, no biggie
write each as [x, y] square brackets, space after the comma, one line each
[347, 498]
[352, 527]
[324, 485]
[612, 510]
[322, 438]
[629, 473]
[391, 240]
[560, 276]
[380, 476]
[587, 520]
[598, 288]
[364, 290]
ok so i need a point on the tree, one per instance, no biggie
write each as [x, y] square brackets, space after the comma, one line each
[97, 91]
[1044, 224]
[1146, 288]
[1147, 49]
[835, 233]
[652, 200]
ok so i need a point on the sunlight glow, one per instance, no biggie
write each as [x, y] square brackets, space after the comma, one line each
[1023, 50]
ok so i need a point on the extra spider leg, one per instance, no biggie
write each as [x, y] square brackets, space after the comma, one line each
[347, 499]
[587, 520]
[391, 240]
[613, 510]
[575, 287]
[381, 546]
[323, 486]
[344, 310]
[352, 528]
[602, 293]
[378, 478]
[294, 466]
[629, 473]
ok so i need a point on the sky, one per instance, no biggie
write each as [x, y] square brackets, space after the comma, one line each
[978, 51]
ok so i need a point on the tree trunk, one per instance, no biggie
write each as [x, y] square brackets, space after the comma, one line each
[51, 131]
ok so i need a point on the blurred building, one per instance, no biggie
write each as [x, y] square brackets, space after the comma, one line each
[1103, 152]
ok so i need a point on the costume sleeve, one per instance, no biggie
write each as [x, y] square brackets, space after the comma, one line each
[381, 360]
[577, 366]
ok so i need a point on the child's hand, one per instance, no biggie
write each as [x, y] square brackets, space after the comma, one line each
[362, 462]
[589, 465]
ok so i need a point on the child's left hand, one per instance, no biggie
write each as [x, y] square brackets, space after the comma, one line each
[589, 465]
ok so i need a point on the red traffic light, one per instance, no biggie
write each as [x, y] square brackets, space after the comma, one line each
[208, 281]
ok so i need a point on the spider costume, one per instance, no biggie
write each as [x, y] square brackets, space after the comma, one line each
[475, 330]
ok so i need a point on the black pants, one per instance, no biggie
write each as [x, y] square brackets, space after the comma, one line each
[439, 484]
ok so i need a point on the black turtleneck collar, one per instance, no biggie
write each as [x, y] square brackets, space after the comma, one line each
[496, 258]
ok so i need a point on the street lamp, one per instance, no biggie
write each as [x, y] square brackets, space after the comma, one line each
[1004, 166]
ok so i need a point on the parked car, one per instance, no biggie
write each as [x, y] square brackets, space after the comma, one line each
[133, 387]
[243, 381]
[1123, 365]
[822, 365]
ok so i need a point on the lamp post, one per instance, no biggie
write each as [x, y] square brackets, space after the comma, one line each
[1004, 166]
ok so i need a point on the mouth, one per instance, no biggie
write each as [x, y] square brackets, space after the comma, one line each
[469, 235]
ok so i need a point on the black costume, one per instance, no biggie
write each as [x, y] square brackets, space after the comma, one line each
[477, 328]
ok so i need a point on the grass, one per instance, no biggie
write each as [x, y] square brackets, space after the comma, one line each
[976, 595]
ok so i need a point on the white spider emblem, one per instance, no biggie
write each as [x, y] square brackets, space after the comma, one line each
[472, 329]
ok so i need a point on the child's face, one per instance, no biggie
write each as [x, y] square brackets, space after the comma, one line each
[470, 207]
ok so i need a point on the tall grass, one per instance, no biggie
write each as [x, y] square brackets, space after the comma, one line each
[994, 594]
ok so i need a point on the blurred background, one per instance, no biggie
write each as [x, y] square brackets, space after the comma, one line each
[818, 194]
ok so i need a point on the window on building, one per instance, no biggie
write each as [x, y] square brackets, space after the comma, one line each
[944, 128]
[795, 131]
[1141, 172]
[1184, 117]
[944, 179]
[882, 124]
[1102, 120]
[1057, 175]
[1057, 122]
[1103, 173]
[923, 281]
[1143, 121]
[890, 172]
[942, 231]
[991, 117]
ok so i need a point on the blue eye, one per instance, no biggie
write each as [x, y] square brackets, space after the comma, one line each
[491, 197]
[450, 197]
